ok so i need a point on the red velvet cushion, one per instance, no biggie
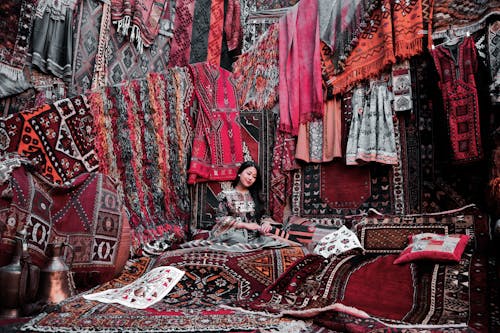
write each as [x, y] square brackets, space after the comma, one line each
[436, 247]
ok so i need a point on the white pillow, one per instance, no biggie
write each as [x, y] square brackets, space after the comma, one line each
[337, 242]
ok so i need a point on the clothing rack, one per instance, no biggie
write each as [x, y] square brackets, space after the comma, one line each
[450, 38]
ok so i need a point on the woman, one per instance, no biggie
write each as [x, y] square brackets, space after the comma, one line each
[240, 222]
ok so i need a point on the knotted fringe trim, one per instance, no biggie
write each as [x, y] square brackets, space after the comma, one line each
[135, 36]
[12, 73]
[123, 27]
[349, 78]
[407, 49]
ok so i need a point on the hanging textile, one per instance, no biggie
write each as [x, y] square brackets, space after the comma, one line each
[371, 135]
[217, 146]
[320, 140]
[340, 24]
[16, 23]
[57, 138]
[393, 32]
[140, 19]
[52, 42]
[408, 24]
[299, 61]
[183, 27]
[144, 131]
[210, 37]
[401, 86]
[256, 73]
[216, 27]
[283, 165]
[494, 59]
[232, 25]
[469, 17]
[456, 66]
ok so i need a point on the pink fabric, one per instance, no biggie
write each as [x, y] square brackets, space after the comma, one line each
[232, 26]
[217, 146]
[328, 140]
[300, 91]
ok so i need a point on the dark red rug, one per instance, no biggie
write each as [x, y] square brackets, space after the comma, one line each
[212, 278]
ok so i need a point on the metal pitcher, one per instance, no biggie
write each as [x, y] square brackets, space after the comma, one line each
[56, 278]
[18, 280]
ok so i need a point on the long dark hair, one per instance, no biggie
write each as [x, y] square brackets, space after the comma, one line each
[255, 189]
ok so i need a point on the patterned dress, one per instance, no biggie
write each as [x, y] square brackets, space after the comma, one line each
[371, 135]
[456, 66]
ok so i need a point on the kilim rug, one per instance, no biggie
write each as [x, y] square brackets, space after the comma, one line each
[57, 137]
[462, 16]
[85, 213]
[123, 60]
[144, 132]
[257, 135]
[325, 190]
[339, 292]
[211, 278]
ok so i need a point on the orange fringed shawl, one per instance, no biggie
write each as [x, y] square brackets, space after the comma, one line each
[393, 32]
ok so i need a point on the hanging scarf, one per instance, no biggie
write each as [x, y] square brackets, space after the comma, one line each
[340, 25]
[300, 90]
[139, 18]
[394, 31]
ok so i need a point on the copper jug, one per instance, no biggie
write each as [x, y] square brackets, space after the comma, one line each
[18, 280]
[56, 278]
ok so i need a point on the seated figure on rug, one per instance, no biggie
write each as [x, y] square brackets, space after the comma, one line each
[241, 224]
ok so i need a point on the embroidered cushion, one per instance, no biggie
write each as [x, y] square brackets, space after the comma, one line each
[337, 242]
[437, 247]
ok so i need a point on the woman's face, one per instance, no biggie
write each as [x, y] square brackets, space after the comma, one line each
[248, 176]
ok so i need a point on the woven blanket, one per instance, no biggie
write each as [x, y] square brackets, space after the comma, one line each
[256, 73]
[211, 279]
[217, 146]
[340, 292]
[85, 213]
[57, 137]
[144, 134]
[461, 16]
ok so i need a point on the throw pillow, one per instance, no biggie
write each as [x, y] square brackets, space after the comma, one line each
[437, 247]
[337, 242]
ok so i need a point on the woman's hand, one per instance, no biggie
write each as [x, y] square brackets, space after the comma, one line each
[265, 228]
[249, 226]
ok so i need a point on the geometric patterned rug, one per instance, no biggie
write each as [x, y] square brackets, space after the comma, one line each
[211, 278]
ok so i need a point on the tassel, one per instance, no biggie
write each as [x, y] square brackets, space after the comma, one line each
[14, 74]
[124, 25]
